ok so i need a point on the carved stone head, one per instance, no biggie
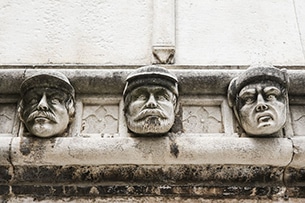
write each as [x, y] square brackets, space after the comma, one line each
[47, 103]
[150, 99]
[259, 100]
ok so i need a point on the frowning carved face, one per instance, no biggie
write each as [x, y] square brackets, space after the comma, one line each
[262, 108]
[151, 110]
[45, 113]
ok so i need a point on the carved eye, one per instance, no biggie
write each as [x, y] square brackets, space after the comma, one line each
[161, 97]
[55, 101]
[271, 97]
[142, 97]
[33, 101]
[249, 100]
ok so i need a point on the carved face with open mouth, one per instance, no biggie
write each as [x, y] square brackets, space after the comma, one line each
[262, 108]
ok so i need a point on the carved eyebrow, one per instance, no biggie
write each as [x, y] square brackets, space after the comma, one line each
[270, 90]
[247, 92]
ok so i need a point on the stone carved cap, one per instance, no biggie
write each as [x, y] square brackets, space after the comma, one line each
[47, 78]
[151, 75]
[261, 109]
[253, 74]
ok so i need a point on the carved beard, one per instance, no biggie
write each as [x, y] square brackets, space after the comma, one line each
[150, 125]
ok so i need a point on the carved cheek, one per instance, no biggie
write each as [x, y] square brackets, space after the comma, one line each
[280, 110]
[168, 106]
[28, 109]
[135, 106]
[60, 112]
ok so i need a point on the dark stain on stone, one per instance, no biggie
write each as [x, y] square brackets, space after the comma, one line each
[34, 145]
[174, 150]
[24, 147]
[5, 176]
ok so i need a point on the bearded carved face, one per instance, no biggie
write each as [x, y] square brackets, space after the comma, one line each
[151, 110]
[44, 112]
[262, 108]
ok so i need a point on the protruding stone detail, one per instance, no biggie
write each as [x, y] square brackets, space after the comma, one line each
[47, 105]
[163, 55]
[150, 97]
[259, 98]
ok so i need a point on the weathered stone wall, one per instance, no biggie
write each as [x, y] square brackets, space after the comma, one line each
[96, 45]
[203, 158]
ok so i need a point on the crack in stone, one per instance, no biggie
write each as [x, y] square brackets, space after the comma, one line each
[284, 179]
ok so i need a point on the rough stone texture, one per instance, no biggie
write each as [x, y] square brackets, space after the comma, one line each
[298, 160]
[141, 190]
[205, 175]
[4, 150]
[295, 176]
[162, 150]
[156, 199]
[100, 161]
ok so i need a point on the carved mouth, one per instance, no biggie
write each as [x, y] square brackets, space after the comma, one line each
[41, 119]
[264, 118]
[150, 114]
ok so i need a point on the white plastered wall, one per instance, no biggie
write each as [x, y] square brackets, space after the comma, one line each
[207, 32]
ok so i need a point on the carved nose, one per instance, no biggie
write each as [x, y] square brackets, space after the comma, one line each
[151, 103]
[43, 104]
[261, 104]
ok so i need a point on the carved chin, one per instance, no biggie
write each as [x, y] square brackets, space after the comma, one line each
[265, 128]
[45, 130]
[150, 125]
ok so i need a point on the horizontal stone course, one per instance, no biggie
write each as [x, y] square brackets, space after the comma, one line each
[207, 175]
[47, 191]
[151, 151]
[111, 79]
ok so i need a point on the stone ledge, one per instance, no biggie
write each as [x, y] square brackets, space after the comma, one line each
[153, 175]
[111, 81]
[144, 190]
[151, 151]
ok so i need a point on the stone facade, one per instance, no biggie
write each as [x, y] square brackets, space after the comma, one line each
[206, 156]
[203, 157]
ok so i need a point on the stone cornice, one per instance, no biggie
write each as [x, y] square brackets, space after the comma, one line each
[111, 79]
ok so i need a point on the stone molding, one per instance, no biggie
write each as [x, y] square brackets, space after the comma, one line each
[91, 149]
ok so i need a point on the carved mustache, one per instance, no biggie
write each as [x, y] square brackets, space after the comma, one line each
[44, 114]
[149, 112]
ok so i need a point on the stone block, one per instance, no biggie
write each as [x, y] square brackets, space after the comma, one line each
[298, 159]
[5, 143]
[157, 150]
[206, 175]
[5, 174]
[294, 177]
[4, 190]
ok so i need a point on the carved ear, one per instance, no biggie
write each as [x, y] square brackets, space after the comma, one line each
[231, 94]
[287, 81]
[177, 106]
[71, 109]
